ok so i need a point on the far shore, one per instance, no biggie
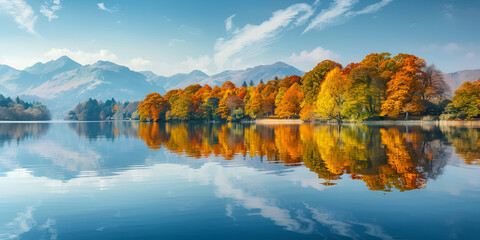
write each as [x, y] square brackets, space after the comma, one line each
[272, 121]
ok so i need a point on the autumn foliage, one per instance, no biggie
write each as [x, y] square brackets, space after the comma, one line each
[378, 86]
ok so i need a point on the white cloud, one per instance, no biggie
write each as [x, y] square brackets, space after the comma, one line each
[173, 41]
[140, 64]
[49, 8]
[447, 48]
[373, 8]
[81, 56]
[335, 13]
[470, 55]
[341, 10]
[202, 63]
[250, 40]
[451, 47]
[306, 61]
[22, 12]
[101, 6]
[229, 23]
[316, 3]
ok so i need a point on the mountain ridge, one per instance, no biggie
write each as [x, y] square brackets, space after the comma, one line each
[62, 83]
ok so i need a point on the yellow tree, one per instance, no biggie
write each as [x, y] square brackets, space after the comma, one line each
[311, 83]
[253, 108]
[332, 95]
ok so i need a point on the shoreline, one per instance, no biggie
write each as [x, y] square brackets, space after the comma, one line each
[454, 123]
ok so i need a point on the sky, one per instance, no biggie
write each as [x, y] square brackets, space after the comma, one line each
[169, 37]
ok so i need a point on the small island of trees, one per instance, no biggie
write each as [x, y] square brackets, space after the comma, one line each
[93, 110]
[19, 110]
[378, 87]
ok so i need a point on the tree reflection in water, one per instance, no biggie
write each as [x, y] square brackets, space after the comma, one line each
[385, 158]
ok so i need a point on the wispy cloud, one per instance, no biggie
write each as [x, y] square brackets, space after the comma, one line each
[190, 30]
[254, 37]
[307, 60]
[22, 12]
[229, 23]
[340, 11]
[448, 12]
[334, 14]
[49, 8]
[373, 8]
[173, 41]
[101, 6]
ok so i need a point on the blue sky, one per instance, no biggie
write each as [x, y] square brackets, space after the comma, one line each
[168, 37]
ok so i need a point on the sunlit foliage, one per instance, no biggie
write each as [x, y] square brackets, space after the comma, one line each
[380, 86]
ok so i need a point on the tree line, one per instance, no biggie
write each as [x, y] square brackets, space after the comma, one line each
[92, 110]
[380, 86]
[20, 110]
[465, 103]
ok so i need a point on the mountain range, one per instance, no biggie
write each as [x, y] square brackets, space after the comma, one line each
[62, 83]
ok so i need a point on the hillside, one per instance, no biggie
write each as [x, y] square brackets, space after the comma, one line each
[456, 79]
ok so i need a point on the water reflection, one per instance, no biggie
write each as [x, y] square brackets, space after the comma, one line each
[99, 178]
[107, 130]
[466, 142]
[385, 158]
[20, 131]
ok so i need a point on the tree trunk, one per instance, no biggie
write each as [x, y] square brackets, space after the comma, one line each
[406, 115]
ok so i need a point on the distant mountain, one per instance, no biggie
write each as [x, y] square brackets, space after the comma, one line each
[176, 81]
[62, 83]
[14, 81]
[102, 80]
[54, 67]
[456, 79]
[255, 74]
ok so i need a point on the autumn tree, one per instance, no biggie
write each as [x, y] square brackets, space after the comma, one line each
[180, 108]
[152, 107]
[210, 106]
[289, 106]
[312, 80]
[466, 102]
[332, 95]
[403, 90]
[253, 107]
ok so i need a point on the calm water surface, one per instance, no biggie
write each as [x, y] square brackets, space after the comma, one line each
[130, 180]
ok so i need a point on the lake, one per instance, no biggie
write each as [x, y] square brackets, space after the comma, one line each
[131, 180]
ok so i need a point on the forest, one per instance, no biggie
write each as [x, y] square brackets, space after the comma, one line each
[92, 110]
[378, 87]
[20, 110]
